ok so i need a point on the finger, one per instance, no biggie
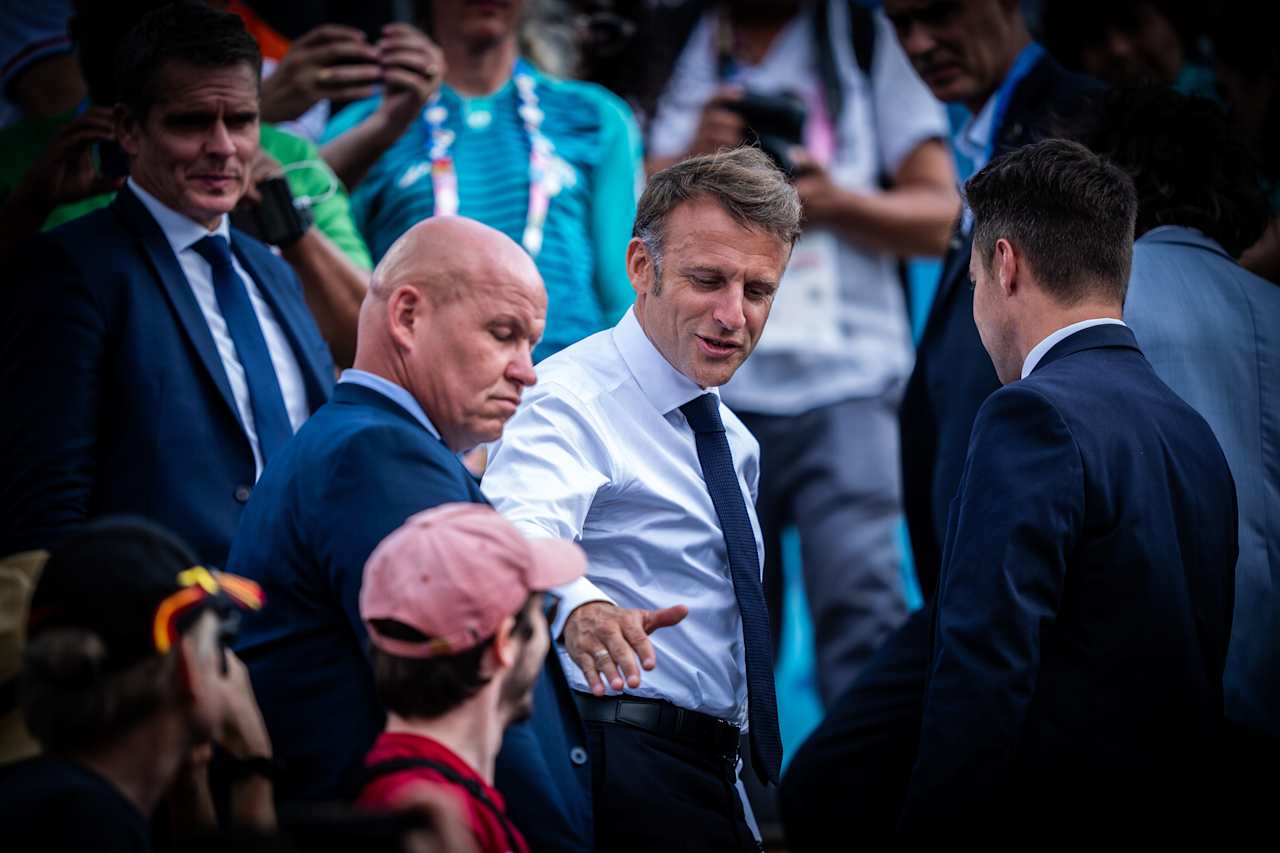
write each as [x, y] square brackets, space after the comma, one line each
[329, 32]
[665, 618]
[727, 94]
[346, 75]
[350, 93]
[587, 664]
[399, 28]
[634, 633]
[624, 660]
[398, 78]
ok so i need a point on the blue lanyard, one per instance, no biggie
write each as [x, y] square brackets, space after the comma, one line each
[1022, 66]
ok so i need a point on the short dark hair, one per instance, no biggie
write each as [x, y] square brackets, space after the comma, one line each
[1187, 164]
[744, 181]
[185, 31]
[1070, 212]
[427, 688]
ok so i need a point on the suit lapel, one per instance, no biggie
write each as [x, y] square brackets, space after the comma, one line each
[954, 270]
[178, 290]
[284, 311]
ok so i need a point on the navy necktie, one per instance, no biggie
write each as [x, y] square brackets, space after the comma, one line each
[703, 414]
[270, 418]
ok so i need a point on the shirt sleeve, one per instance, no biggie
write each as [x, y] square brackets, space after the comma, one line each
[1016, 518]
[907, 114]
[613, 205]
[545, 474]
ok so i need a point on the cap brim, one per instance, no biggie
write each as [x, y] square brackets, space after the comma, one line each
[555, 562]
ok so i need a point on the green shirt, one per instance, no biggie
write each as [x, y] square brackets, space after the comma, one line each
[22, 143]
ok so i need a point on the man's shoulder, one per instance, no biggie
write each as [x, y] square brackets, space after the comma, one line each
[583, 372]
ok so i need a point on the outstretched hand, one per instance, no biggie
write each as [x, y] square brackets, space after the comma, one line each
[604, 639]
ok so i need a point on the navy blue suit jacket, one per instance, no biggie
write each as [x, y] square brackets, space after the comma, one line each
[1084, 607]
[354, 473]
[953, 373]
[115, 399]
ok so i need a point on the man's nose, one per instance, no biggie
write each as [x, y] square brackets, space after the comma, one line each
[916, 39]
[729, 308]
[219, 140]
[520, 369]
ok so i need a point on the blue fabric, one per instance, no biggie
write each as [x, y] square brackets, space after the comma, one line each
[588, 226]
[1084, 607]
[1211, 330]
[354, 473]
[270, 419]
[703, 414]
[953, 373]
[115, 398]
[390, 389]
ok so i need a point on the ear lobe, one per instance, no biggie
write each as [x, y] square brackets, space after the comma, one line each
[639, 266]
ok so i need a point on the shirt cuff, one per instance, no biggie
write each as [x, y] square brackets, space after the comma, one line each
[572, 596]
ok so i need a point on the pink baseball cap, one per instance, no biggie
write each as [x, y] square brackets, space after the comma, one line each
[454, 573]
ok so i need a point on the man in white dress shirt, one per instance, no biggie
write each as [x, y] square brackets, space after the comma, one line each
[624, 446]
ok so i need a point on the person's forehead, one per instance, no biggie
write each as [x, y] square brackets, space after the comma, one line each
[176, 80]
[703, 227]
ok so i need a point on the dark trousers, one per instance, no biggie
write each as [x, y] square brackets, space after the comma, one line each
[652, 793]
[854, 769]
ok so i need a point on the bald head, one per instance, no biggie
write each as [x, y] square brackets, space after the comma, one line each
[452, 315]
[441, 255]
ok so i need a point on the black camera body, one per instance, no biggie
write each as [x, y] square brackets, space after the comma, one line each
[277, 219]
[775, 121]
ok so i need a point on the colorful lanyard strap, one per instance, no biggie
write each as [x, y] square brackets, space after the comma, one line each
[444, 174]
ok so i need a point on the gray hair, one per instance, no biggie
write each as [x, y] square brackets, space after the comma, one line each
[744, 181]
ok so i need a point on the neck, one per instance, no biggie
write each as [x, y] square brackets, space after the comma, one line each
[143, 763]
[472, 731]
[1018, 41]
[755, 30]
[479, 69]
[1051, 321]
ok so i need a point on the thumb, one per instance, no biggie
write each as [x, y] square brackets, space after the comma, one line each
[665, 618]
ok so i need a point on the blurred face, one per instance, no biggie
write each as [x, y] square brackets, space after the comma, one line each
[962, 49]
[476, 22]
[193, 148]
[991, 316]
[1135, 49]
[517, 686]
[471, 357]
[718, 280]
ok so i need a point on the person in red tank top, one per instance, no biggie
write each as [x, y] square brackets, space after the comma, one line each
[453, 604]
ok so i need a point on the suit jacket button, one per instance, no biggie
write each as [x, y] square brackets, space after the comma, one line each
[578, 756]
[242, 493]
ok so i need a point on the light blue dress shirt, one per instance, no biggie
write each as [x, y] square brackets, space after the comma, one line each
[397, 393]
[600, 453]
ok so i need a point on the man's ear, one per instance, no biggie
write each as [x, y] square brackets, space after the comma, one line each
[406, 308]
[502, 652]
[126, 128]
[639, 266]
[1007, 265]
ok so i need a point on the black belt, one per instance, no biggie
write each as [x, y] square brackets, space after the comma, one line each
[704, 732]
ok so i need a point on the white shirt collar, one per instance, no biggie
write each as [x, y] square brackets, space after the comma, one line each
[665, 387]
[180, 230]
[1038, 351]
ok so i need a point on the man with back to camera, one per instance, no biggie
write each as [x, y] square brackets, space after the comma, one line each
[977, 53]
[1085, 603]
[453, 602]
[625, 447]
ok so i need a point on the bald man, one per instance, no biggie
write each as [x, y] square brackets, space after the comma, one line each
[442, 356]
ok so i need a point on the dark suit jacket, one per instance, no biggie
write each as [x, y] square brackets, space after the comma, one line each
[115, 399]
[1084, 608]
[953, 373]
[354, 473]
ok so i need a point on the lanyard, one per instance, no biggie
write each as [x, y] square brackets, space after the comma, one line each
[1022, 66]
[444, 174]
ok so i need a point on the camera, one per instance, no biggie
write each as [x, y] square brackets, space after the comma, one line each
[277, 219]
[775, 121]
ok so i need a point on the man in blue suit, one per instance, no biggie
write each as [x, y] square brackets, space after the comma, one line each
[1084, 606]
[155, 359]
[443, 355]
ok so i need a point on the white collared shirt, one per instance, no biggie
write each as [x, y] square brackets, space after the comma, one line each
[599, 452]
[182, 233]
[1038, 351]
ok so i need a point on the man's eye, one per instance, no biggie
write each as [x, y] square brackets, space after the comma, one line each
[502, 334]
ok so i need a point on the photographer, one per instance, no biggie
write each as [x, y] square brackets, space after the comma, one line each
[826, 90]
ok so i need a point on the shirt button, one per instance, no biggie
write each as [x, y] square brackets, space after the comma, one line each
[578, 756]
[242, 493]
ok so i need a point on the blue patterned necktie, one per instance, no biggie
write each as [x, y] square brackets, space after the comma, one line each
[270, 418]
[703, 414]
